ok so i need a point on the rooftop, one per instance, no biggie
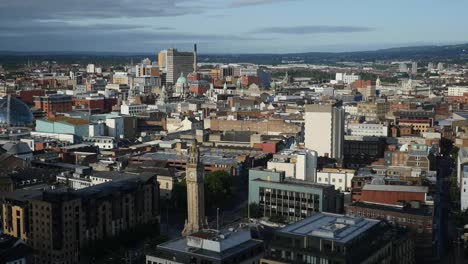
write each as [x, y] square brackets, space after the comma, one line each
[339, 228]
[395, 188]
[422, 211]
[69, 120]
[211, 243]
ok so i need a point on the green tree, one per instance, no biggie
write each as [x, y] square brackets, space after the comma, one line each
[218, 188]
[179, 194]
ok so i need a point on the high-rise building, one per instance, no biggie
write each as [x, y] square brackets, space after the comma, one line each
[440, 66]
[403, 68]
[162, 60]
[90, 68]
[324, 130]
[178, 62]
[195, 193]
[414, 68]
[430, 66]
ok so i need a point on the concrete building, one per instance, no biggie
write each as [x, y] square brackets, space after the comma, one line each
[324, 130]
[210, 246]
[133, 109]
[57, 224]
[366, 129]
[102, 142]
[289, 198]
[339, 178]
[300, 164]
[162, 60]
[90, 68]
[63, 125]
[418, 220]
[373, 111]
[176, 63]
[331, 238]
[457, 91]
[346, 78]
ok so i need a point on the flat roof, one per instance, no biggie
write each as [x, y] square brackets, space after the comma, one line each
[179, 245]
[395, 188]
[339, 228]
[422, 211]
[205, 157]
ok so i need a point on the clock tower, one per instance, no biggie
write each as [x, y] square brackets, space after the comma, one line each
[195, 193]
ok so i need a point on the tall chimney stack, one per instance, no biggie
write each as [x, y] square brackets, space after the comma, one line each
[194, 58]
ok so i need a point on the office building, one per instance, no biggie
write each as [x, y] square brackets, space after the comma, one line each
[324, 130]
[340, 178]
[210, 246]
[367, 129]
[331, 238]
[298, 164]
[90, 68]
[176, 63]
[291, 199]
[56, 103]
[57, 224]
[403, 68]
[417, 218]
[162, 60]
[347, 78]
[414, 68]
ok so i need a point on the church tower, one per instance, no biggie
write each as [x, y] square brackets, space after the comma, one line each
[195, 193]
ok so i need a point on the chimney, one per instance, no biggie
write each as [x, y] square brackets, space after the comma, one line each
[195, 58]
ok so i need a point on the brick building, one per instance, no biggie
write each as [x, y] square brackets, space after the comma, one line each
[393, 194]
[56, 103]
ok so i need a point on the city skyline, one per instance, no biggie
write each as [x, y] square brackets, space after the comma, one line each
[234, 26]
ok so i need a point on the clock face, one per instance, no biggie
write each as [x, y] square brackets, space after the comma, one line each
[192, 175]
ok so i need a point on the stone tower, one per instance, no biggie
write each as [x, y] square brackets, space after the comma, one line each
[195, 193]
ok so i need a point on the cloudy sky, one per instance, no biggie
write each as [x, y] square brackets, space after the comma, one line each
[229, 26]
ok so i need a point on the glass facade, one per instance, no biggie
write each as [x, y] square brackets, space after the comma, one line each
[20, 115]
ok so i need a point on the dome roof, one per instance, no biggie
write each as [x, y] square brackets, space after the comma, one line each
[20, 115]
[273, 85]
[182, 79]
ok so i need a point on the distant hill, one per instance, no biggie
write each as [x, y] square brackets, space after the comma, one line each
[446, 53]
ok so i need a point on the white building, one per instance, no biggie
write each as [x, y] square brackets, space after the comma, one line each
[102, 142]
[364, 129]
[324, 130]
[90, 68]
[115, 127]
[132, 109]
[297, 164]
[176, 124]
[339, 178]
[457, 91]
[347, 78]
[97, 129]
[351, 109]
[462, 177]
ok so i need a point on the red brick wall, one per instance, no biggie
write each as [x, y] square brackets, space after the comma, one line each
[28, 96]
[391, 197]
